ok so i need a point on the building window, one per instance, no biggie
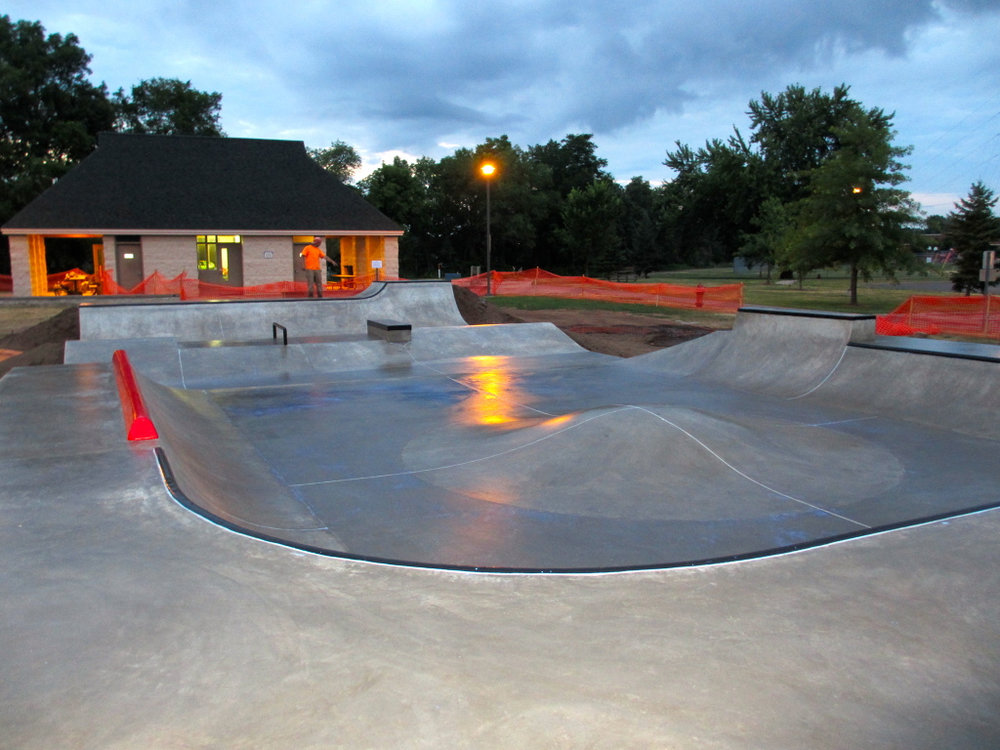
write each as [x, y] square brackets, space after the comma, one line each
[213, 252]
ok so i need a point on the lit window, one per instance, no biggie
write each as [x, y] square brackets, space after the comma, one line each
[213, 252]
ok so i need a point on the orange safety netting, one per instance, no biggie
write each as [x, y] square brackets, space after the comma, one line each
[536, 282]
[188, 289]
[977, 316]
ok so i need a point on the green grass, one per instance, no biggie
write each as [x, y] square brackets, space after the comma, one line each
[827, 295]
[831, 292]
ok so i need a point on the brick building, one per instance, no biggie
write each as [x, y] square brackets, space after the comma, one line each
[233, 211]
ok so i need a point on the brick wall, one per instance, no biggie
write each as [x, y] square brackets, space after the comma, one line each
[267, 259]
[169, 255]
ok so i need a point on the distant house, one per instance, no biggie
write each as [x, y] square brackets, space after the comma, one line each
[232, 211]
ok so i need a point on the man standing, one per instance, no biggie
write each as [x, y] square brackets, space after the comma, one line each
[313, 254]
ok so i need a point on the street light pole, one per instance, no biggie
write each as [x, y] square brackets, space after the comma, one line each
[488, 171]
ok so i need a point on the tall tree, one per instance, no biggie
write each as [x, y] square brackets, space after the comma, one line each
[853, 213]
[573, 160]
[50, 114]
[591, 216]
[401, 191]
[794, 132]
[459, 202]
[518, 207]
[339, 158]
[456, 221]
[712, 199]
[167, 106]
[935, 224]
[767, 246]
[561, 166]
[638, 232]
[970, 230]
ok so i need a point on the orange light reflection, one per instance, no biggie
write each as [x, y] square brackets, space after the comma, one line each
[495, 399]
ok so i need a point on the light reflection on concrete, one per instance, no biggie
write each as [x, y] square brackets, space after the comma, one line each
[495, 397]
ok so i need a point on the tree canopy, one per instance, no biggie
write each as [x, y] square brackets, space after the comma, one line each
[402, 191]
[167, 106]
[795, 133]
[591, 215]
[50, 113]
[970, 229]
[339, 159]
[815, 185]
[853, 213]
[528, 193]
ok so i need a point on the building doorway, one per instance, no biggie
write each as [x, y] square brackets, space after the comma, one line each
[128, 264]
[298, 265]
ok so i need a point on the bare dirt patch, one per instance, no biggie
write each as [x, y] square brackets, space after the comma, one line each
[35, 335]
[17, 317]
[622, 334]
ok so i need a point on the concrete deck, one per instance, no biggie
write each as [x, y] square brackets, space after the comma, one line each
[129, 621]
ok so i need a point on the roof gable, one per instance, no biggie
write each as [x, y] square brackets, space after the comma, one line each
[140, 183]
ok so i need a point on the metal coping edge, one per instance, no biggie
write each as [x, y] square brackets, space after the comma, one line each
[797, 313]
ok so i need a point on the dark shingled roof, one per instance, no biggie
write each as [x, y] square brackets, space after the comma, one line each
[133, 183]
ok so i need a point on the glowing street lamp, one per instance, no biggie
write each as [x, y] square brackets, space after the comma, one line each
[488, 169]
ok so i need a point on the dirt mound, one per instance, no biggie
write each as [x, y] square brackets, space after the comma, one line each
[42, 343]
[478, 310]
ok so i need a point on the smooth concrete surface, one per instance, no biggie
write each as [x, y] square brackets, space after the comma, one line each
[130, 622]
[564, 462]
[781, 354]
[419, 303]
[187, 365]
[812, 360]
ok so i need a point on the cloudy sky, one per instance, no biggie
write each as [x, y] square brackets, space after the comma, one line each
[424, 77]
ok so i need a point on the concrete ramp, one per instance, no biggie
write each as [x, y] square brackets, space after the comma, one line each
[419, 303]
[211, 461]
[772, 351]
[835, 360]
[956, 393]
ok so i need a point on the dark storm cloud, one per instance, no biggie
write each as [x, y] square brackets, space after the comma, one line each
[586, 65]
[422, 76]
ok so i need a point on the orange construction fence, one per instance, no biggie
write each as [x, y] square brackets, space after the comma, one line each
[75, 281]
[536, 282]
[189, 289]
[977, 316]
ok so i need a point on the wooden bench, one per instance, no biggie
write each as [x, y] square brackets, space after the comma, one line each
[393, 331]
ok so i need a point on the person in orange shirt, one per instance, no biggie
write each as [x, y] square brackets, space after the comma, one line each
[312, 255]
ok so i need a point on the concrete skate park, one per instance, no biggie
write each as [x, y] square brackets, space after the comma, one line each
[364, 523]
